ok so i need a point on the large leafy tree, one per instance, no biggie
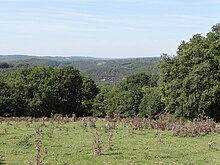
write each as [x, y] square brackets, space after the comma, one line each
[190, 81]
[42, 91]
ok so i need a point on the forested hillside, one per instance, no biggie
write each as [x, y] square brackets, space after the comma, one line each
[103, 71]
[111, 71]
[52, 58]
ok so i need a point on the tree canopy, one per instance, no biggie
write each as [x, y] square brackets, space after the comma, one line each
[189, 81]
[42, 91]
[125, 98]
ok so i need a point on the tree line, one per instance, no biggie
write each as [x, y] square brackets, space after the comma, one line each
[187, 85]
[43, 91]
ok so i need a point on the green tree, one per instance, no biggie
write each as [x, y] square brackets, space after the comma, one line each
[6, 103]
[99, 104]
[190, 80]
[139, 79]
[123, 98]
[151, 104]
[4, 65]
[89, 92]
[42, 91]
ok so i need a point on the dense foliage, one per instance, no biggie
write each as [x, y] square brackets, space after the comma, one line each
[4, 65]
[128, 98]
[190, 81]
[43, 91]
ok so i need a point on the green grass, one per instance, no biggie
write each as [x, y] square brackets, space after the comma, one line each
[71, 144]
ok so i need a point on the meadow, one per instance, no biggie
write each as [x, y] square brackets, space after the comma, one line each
[89, 141]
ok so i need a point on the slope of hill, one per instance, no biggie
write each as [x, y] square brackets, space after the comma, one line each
[103, 71]
[53, 58]
[111, 71]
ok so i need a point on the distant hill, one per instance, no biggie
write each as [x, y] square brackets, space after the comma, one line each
[103, 71]
[54, 58]
[111, 71]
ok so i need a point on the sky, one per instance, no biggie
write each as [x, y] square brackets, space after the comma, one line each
[102, 28]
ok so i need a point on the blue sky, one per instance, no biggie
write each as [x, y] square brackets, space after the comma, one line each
[102, 28]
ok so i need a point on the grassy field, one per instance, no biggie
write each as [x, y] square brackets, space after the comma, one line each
[74, 143]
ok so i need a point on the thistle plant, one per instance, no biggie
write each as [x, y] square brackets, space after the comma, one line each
[97, 143]
[26, 139]
[110, 135]
[50, 132]
[5, 130]
[41, 152]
